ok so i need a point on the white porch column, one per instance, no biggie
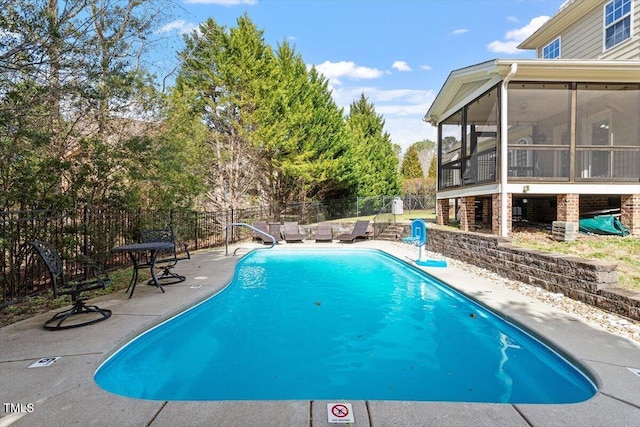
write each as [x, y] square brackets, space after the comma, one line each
[504, 152]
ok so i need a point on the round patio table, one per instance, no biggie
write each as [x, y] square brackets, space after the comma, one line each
[135, 250]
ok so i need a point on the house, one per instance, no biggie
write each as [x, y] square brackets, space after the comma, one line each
[546, 139]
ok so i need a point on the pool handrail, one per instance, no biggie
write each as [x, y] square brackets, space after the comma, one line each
[243, 224]
[383, 210]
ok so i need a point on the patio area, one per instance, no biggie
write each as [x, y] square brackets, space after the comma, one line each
[64, 393]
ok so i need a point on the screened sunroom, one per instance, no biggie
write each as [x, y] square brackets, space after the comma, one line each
[538, 129]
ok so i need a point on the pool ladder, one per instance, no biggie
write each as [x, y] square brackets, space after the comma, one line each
[242, 224]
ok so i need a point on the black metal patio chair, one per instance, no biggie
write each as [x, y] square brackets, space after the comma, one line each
[96, 279]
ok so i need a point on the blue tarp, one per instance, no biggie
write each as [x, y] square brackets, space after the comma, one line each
[603, 224]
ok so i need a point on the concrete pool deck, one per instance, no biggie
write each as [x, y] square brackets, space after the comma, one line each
[65, 394]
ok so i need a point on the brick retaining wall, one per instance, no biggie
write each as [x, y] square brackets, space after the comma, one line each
[590, 281]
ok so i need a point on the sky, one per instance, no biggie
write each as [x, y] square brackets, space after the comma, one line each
[398, 53]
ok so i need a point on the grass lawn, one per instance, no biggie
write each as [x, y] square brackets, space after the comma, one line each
[33, 306]
[625, 251]
[427, 215]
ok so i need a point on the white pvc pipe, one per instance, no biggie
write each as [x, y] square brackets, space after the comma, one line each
[504, 140]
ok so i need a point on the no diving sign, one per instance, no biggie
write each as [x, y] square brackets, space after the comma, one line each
[340, 413]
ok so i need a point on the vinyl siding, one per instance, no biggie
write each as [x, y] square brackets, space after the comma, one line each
[584, 38]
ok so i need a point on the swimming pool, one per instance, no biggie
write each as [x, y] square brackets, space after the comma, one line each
[340, 324]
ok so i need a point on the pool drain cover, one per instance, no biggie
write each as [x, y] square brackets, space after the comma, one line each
[45, 361]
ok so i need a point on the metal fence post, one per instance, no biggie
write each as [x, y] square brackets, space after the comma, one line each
[85, 232]
[85, 238]
[195, 224]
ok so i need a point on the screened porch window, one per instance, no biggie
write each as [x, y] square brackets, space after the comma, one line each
[481, 140]
[468, 142]
[608, 132]
[450, 146]
[539, 117]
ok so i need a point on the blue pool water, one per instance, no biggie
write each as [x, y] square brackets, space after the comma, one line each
[335, 324]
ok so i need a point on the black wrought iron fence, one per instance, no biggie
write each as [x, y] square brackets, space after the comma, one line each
[84, 235]
[309, 213]
[87, 234]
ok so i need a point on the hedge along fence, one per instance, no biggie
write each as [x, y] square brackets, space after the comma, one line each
[590, 281]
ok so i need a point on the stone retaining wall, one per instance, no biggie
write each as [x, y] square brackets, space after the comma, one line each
[590, 281]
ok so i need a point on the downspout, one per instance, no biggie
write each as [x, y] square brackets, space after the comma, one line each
[504, 140]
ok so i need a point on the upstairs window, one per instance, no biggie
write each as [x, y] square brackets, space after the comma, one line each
[617, 22]
[552, 50]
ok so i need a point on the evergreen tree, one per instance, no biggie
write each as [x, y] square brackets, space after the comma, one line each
[411, 164]
[433, 168]
[333, 167]
[372, 153]
[301, 132]
[227, 75]
[273, 130]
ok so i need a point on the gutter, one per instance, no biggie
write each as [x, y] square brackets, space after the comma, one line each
[504, 140]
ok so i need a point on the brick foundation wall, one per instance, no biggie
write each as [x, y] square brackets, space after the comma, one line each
[443, 212]
[591, 281]
[569, 208]
[630, 216]
[541, 209]
[495, 214]
[467, 213]
[595, 202]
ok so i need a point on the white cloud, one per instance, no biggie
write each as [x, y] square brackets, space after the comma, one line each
[222, 2]
[401, 66]
[426, 67]
[180, 26]
[460, 31]
[512, 19]
[402, 109]
[333, 71]
[514, 37]
[497, 46]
